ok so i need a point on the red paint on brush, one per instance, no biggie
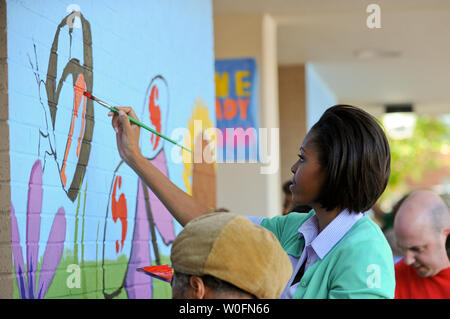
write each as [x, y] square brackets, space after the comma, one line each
[89, 95]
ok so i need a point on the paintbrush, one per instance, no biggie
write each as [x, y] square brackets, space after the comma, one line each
[113, 109]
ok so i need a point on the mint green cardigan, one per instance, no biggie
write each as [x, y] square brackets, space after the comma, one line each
[359, 266]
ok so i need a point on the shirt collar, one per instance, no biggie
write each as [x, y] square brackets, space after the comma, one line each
[309, 230]
[324, 241]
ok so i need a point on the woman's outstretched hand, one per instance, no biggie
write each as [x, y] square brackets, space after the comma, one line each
[127, 134]
[182, 206]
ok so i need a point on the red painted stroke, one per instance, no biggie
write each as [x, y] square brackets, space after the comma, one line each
[155, 115]
[79, 89]
[119, 211]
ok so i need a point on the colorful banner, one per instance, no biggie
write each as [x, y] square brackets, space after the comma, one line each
[237, 110]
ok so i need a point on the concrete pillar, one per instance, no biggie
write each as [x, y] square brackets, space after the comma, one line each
[243, 188]
[292, 100]
[6, 276]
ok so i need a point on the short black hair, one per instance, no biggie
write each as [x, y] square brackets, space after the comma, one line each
[353, 149]
[181, 280]
[301, 209]
[223, 286]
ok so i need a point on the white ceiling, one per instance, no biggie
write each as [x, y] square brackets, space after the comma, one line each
[328, 32]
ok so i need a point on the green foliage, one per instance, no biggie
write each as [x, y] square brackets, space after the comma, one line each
[412, 157]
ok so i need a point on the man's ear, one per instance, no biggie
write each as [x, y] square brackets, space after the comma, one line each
[447, 241]
[446, 233]
[198, 289]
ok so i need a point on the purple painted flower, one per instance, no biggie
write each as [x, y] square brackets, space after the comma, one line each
[161, 215]
[26, 278]
[138, 284]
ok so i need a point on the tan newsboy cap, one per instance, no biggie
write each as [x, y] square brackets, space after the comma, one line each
[231, 248]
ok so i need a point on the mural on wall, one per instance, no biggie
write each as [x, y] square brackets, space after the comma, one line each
[71, 155]
[199, 176]
[89, 221]
[149, 214]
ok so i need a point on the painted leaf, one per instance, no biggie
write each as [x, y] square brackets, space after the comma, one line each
[34, 208]
[18, 256]
[53, 252]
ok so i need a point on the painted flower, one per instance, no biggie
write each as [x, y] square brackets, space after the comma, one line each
[26, 277]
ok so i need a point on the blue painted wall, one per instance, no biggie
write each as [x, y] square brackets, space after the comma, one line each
[156, 56]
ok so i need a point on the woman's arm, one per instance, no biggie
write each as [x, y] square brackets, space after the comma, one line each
[182, 206]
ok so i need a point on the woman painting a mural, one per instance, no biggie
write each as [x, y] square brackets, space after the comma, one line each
[343, 168]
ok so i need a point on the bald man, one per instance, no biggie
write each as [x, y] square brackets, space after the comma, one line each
[422, 226]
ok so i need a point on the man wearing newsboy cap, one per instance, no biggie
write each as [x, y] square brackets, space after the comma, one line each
[226, 256]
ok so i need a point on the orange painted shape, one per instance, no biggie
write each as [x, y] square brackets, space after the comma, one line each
[218, 110]
[155, 115]
[243, 105]
[83, 117]
[229, 108]
[119, 211]
[79, 89]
